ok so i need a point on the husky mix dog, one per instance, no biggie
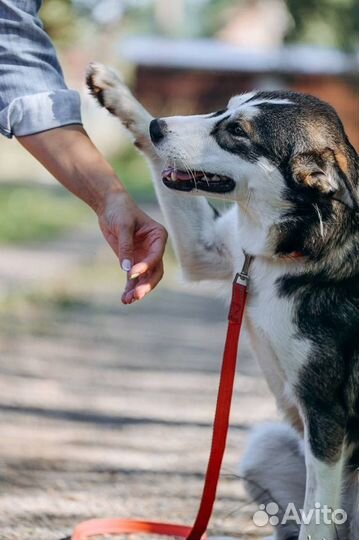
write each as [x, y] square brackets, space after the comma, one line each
[286, 163]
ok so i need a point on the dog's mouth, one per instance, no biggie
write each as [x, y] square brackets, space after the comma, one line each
[187, 181]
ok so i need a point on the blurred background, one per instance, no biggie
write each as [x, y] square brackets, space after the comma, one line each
[104, 407]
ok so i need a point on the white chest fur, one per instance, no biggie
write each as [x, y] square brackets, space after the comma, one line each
[279, 348]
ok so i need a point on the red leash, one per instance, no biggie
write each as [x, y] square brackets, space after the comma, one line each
[95, 527]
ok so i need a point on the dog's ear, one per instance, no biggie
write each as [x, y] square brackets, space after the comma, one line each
[326, 172]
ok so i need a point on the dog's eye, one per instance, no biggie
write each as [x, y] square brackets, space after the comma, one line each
[237, 130]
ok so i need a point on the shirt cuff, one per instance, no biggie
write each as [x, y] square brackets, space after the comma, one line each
[32, 114]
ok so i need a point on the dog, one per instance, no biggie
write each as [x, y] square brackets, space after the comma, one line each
[285, 162]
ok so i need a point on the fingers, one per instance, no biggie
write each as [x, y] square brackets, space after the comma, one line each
[146, 274]
[154, 255]
[137, 289]
[134, 236]
[125, 247]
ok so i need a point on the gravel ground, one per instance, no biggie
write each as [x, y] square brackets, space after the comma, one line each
[107, 411]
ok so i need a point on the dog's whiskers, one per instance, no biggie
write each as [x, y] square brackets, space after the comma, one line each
[185, 158]
[189, 170]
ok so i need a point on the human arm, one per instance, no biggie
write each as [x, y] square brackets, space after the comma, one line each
[137, 240]
[37, 107]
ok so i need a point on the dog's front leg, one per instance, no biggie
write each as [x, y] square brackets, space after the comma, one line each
[107, 87]
[195, 228]
[325, 458]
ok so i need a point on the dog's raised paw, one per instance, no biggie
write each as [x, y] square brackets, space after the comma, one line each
[99, 80]
[100, 77]
[107, 87]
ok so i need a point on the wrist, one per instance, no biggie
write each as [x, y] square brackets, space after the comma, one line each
[116, 200]
[108, 189]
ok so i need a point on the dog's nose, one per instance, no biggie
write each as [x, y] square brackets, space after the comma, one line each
[157, 130]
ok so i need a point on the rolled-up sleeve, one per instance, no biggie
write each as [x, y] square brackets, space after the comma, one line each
[33, 93]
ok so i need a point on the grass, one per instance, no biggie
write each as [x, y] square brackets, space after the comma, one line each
[38, 213]
[32, 212]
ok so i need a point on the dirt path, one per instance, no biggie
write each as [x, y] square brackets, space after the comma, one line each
[28, 266]
[107, 411]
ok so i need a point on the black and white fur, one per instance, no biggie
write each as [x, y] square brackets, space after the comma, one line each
[285, 162]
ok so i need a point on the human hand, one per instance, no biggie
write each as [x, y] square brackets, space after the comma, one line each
[138, 242]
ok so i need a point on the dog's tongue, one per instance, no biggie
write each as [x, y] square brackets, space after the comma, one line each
[175, 174]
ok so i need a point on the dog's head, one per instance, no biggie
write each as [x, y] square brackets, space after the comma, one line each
[285, 151]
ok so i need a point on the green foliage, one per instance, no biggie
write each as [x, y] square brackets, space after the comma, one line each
[325, 22]
[65, 24]
[37, 213]
[58, 18]
[320, 22]
[215, 14]
[332, 23]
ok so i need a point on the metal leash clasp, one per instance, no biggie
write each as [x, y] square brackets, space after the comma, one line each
[242, 276]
